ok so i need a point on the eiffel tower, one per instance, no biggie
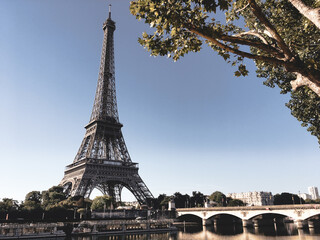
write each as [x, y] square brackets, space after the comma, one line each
[103, 161]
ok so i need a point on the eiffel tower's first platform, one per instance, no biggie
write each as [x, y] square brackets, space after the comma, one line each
[103, 161]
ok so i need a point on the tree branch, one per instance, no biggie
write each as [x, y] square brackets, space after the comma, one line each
[304, 81]
[262, 46]
[313, 14]
[256, 10]
[241, 9]
[236, 51]
[253, 33]
[304, 77]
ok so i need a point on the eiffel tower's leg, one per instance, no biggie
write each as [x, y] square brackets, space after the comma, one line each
[103, 188]
[117, 192]
[67, 188]
[82, 187]
[114, 191]
[89, 188]
[139, 189]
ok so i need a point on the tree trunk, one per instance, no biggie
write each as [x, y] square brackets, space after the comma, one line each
[313, 14]
[305, 81]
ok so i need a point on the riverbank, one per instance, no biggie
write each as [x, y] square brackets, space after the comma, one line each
[89, 227]
[113, 227]
[31, 230]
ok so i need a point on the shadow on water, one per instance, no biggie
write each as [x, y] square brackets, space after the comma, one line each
[233, 231]
[267, 229]
[279, 229]
[225, 229]
[190, 229]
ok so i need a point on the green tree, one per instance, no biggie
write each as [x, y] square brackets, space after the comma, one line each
[100, 203]
[181, 201]
[311, 201]
[8, 208]
[157, 201]
[52, 197]
[68, 203]
[164, 204]
[281, 36]
[8, 205]
[287, 199]
[32, 201]
[234, 202]
[197, 199]
[219, 198]
[75, 202]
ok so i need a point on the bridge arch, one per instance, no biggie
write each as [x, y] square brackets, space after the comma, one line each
[224, 219]
[197, 214]
[270, 214]
[311, 215]
[194, 216]
[212, 215]
[191, 218]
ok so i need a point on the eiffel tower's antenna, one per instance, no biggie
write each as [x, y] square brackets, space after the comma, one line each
[105, 103]
[110, 11]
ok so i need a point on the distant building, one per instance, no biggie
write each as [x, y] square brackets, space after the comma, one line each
[171, 205]
[134, 204]
[304, 196]
[253, 198]
[313, 191]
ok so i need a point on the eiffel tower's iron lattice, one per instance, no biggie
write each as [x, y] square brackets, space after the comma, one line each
[103, 161]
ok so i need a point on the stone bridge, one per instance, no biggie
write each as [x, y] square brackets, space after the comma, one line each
[297, 213]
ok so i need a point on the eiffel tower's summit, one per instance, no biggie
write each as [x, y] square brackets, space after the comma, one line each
[103, 161]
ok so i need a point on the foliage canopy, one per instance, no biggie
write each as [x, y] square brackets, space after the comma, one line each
[219, 198]
[287, 198]
[281, 36]
[101, 203]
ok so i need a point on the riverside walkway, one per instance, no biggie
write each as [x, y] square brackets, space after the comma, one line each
[87, 227]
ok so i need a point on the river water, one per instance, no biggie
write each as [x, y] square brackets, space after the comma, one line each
[288, 232]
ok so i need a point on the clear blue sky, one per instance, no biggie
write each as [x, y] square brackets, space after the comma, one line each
[191, 125]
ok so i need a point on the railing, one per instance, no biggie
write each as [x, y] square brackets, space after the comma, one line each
[103, 161]
[266, 207]
[75, 164]
[30, 230]
[26, 225]
[119, 222]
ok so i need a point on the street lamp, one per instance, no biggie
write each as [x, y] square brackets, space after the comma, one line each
[292, 198]
[75, 212]
[300, 198]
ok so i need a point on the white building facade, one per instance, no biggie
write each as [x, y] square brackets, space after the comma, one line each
[253, 198]
[305, 196]
[313, 191]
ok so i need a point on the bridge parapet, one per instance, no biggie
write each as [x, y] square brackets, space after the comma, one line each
[296, 212]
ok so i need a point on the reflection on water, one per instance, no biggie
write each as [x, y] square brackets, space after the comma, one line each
[243, 236]
[161, 236]
[222, 233]
[204, 235]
